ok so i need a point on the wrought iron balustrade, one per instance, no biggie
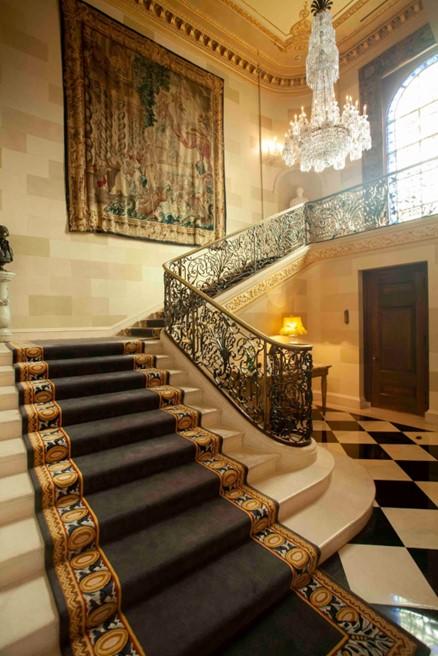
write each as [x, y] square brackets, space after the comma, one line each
[228, 261]
[401, 196]
[270, 382]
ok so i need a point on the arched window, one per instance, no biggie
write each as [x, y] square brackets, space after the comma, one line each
[412, 140]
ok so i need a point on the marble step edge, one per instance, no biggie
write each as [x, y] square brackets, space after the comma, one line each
[28, 611]
[336, 516]
[297, 489]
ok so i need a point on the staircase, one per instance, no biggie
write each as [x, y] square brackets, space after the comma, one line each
[118, 402]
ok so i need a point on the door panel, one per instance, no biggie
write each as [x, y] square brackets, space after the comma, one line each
[396, 340]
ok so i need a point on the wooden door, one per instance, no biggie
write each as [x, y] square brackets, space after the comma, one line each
[396, 337]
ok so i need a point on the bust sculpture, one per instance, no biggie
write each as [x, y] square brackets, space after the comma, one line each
[6, 254]
[299, 198]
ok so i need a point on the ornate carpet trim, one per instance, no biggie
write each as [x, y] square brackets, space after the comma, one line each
[26, 352]
[301, 556]
[144, 361]
[29, 371]
[366, 632]
[90, 586]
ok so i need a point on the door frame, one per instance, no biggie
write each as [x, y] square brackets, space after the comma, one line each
[366, 341]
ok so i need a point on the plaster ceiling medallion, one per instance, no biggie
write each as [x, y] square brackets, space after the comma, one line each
[299, 34]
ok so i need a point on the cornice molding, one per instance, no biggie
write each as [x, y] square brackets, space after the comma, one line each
[382, 238]
[248, 66]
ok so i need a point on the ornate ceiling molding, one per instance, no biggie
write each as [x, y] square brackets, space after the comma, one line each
[247, 65]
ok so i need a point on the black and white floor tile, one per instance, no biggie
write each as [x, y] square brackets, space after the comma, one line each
[393, 562]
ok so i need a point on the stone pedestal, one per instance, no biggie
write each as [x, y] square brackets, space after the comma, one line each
[5, 312]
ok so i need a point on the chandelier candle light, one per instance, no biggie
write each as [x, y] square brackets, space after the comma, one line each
[329, 136]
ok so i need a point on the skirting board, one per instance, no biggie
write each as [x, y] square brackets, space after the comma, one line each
[339, 399]
[73, 332]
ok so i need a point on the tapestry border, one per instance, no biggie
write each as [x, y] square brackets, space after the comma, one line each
[73, 14]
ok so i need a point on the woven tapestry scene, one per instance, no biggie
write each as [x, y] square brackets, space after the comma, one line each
[144, 135]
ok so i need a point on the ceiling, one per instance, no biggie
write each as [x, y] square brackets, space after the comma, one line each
[271, 36]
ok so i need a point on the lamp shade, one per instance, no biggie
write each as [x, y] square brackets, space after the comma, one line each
[293, 327]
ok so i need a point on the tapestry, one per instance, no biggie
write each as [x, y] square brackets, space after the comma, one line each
[144, 133]
[370, 80]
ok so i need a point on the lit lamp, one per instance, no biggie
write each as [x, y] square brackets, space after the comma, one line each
[293, 327]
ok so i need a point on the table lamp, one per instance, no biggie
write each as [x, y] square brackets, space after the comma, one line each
[293, 327]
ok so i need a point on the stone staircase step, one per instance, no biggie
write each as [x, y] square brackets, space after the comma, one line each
[8, 397]
[13, 457]
[28, 611]
[297, 489]
[260, 465]
[231, 439]
[10, 424]
[21, 552]
[6, 375]
[336, 517]
[16, 498]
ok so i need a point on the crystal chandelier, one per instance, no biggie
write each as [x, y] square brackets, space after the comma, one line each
[329, 136]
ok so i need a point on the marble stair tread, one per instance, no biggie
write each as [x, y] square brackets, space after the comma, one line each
[5, 355]
[10, 424]
[340, 512]
[16, 497]
[299, 488]
[21, 552]
[31, 601]
[209, 416]
[6, 375]
[260, 465]
[8, 397]
[13, 457]
[231, 439]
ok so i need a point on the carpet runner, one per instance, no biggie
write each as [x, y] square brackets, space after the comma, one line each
[155, 545]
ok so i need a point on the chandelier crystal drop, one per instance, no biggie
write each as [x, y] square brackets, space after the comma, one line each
[330, 135]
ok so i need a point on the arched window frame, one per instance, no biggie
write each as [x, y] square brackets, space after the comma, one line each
[412, 192]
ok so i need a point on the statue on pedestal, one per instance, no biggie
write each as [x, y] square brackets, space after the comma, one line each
[6, 257]
[299, 199]
[6, 253]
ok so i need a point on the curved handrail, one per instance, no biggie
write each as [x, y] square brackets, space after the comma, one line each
[269, 382]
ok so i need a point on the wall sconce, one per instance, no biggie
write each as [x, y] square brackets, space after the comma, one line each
[293, 327]
[271, 149]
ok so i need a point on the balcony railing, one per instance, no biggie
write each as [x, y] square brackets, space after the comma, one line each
[410, 193]
[270, 382]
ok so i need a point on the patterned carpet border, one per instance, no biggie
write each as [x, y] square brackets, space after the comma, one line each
[92, 589]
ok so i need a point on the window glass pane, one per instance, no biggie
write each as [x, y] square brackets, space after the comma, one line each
[407, 130]
[429, 119]
[429, 147]
[411, 140]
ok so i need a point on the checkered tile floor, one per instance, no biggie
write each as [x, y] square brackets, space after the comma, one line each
[393, 562]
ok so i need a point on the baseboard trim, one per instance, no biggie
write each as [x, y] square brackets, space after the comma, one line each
[432, 416]
[339, 399]
[78, 332]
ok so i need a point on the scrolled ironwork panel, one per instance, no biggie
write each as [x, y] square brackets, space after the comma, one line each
[223, 264]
